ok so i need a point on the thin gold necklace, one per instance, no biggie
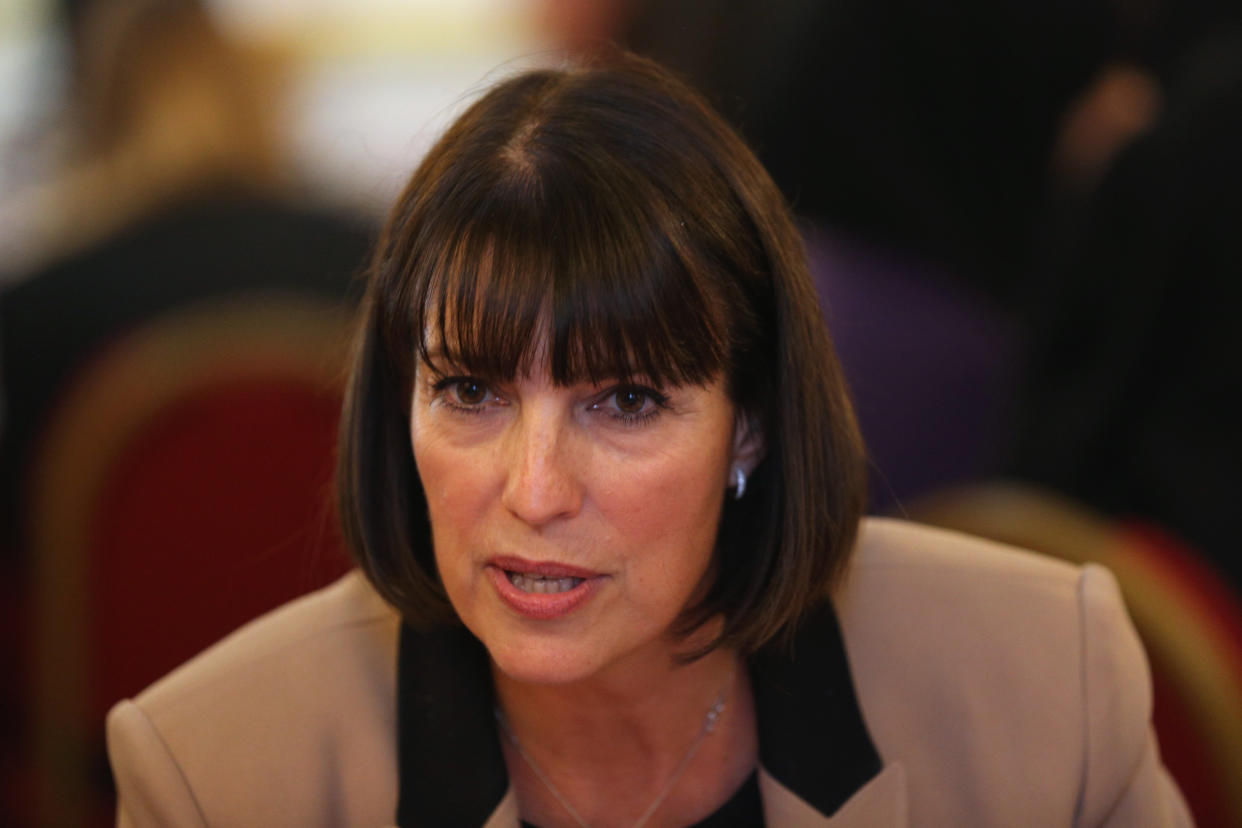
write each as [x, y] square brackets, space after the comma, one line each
[709, 724]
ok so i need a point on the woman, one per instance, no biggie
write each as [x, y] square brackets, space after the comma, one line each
[602, 476]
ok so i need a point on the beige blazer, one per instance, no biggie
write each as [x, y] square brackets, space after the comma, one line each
[997, 687]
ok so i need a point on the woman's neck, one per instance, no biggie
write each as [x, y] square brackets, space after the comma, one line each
[611, 744]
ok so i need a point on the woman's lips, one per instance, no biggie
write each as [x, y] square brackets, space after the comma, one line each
[541, 590]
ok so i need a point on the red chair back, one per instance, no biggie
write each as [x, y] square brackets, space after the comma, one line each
[183, 487]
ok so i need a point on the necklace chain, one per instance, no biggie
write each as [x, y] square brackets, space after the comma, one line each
[709, 724]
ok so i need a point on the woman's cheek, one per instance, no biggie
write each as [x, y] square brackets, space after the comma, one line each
[676, 498]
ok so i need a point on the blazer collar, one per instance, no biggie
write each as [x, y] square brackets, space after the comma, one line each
[816, 757]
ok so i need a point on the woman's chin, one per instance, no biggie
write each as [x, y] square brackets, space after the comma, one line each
[531, 666]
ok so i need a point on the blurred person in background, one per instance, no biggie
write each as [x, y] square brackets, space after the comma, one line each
[173, 194]
[160, 106]
[1126, 400]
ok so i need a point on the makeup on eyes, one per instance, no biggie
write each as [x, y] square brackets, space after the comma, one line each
[626, 403]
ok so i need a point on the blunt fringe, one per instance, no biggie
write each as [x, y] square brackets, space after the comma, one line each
[606, 210]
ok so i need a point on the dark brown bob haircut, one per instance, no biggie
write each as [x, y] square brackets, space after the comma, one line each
[608, 211]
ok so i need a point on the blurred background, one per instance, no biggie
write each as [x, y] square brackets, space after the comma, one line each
[1023, 219]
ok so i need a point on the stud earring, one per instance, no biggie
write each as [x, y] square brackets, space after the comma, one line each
[739, 482]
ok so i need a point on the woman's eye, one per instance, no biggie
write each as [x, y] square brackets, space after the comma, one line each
[469, 392]
[464, 393]
[630, 400]
[632, 405]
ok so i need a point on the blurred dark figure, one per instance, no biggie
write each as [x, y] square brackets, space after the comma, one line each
[1137, 357]
[174, 200]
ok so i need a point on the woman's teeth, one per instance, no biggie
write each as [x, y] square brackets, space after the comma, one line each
[537, 583]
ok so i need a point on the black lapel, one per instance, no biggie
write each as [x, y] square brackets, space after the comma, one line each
[450, 769]
[811, 731]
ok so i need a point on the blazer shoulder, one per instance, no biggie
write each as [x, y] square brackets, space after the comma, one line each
[894, 545]
[258, 725]
[1025, 669]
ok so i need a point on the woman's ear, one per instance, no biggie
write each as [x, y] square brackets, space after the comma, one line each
[748, 445]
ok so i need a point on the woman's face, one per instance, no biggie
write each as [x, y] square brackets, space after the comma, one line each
[571, 525]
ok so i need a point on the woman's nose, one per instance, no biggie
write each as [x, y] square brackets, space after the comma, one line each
[543, 479]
